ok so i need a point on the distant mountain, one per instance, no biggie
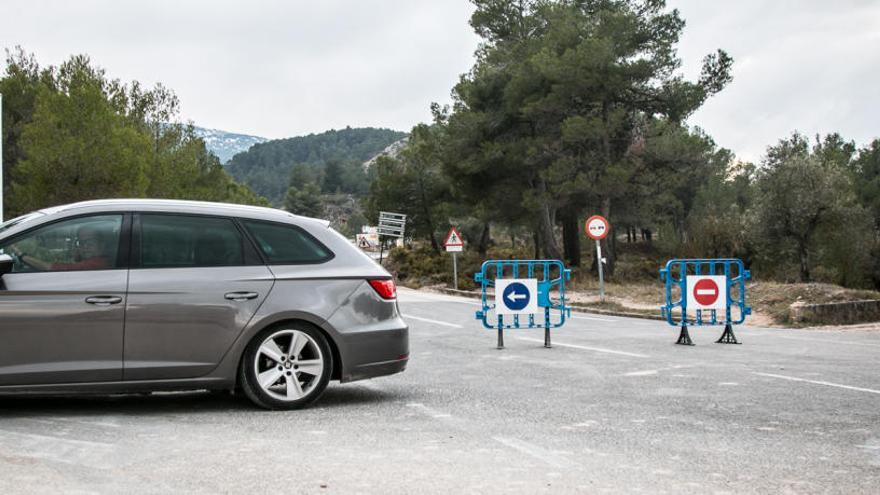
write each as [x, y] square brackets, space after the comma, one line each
[227, 144]
[265, 167]
[391, 151]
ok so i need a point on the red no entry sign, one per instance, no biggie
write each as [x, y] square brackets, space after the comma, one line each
[596, 227]
[706, 292]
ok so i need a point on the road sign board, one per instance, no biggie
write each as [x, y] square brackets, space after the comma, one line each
[453, 239]
[597, 227]
[391, 224]
[367, 241]
[516, 296]
[706, 292]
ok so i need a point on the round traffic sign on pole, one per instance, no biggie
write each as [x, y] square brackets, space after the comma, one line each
[706, 291]
[596, 227]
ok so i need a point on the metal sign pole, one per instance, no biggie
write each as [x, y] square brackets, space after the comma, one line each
[601, 274]
[455, 270]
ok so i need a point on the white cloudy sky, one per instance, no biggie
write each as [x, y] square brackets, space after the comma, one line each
[285, 68]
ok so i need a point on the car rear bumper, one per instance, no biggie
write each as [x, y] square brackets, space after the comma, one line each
[376, 352]
[372, 370]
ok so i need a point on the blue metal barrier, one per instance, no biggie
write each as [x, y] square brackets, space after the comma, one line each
[550, 275]
[675, 276]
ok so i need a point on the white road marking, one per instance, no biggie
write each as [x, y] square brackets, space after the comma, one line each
[38, 437]
[409, 295]
[579, 317]
[436, 322]
[817, 382]
[595, 349]
[642, 373]
[534, 451]
[111, 423]
[516, 444]
[60, 449]
[826, 341]
[654, 372]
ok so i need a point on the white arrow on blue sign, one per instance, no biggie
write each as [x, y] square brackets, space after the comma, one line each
[516, 296]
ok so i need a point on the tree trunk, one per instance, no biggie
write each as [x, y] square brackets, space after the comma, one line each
[805, 261]
[608, 251]
[571, 239]
[434, 243]
[537, 239]
[545, 225]
[426, 210]
[484, 240]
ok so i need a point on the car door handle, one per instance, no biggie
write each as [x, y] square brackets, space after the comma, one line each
[240, 296]
[103, 300]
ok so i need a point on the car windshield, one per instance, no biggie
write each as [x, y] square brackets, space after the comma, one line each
[19, 220]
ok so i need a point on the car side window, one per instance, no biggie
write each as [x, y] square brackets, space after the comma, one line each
[286, 244]
[182, 241]
[83, 243]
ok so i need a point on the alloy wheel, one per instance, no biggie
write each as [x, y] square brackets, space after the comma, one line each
[288, 365]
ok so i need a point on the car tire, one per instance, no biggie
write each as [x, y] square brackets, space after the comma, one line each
[286, 367]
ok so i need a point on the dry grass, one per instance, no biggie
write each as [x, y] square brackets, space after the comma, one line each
[769, 300]
[774, 298]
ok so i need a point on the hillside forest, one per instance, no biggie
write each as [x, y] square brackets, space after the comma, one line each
[324, 175]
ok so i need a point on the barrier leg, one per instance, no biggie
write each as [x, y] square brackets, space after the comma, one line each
[546, 323]
[684, 338]
[728, 337]
[500, 338]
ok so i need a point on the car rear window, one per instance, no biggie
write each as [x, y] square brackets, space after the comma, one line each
[283, 244]
[178, 241]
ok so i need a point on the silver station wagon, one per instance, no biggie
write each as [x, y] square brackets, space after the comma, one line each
[141, 295]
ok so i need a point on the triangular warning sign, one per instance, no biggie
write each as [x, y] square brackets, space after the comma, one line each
[453, 238]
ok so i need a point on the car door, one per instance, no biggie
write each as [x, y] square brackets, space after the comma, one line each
[62, 307]
[195, 283]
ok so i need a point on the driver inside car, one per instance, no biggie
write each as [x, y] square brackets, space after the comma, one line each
[91, 251]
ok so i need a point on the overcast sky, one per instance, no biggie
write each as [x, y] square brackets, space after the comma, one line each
[286, 68]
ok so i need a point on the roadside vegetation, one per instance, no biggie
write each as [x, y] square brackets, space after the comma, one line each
[635, 289]
[578, 108]
[72, 133]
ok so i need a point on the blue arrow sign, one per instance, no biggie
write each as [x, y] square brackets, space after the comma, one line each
[516, 296]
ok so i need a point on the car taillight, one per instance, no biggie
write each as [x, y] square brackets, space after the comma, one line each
[384, 287]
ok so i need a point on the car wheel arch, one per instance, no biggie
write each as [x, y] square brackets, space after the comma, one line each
[335, 373]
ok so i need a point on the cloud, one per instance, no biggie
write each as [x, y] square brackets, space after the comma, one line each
[799, 65]
[283, 68]
[270, 68]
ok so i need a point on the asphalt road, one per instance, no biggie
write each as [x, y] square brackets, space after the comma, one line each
[614, 406]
